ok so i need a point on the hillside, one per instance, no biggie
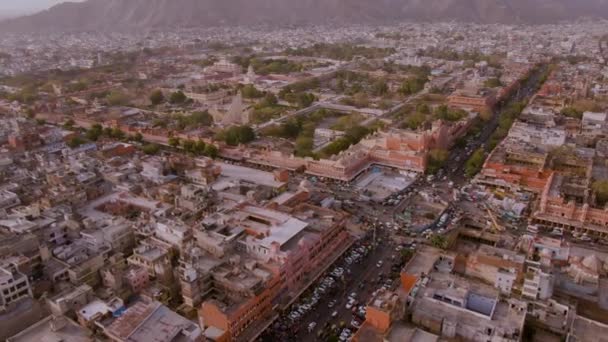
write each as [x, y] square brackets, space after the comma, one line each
[150, 14]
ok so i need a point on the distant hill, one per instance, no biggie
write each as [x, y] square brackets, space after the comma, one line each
[150, 14]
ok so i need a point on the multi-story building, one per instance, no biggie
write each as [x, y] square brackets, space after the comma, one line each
[148, 320]
[401, 149]
[14, 285]
[566, 203]
[481, 100]
[155, 256]
[260, 260]
[515, 164]
[538, 283]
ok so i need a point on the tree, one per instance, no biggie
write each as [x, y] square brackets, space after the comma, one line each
[94, 132]
[69, 124]
[414, 121]
[406, 254]
[492, 83]
[474, 164]
[437, 158]
[188, 145]
[177, 97]
[211, 151]
[236, 135]
[600, 188]
[138, 137]
[117, 133]
[157, 97]
[199, 147]
[151, 149]
[572, 112]
[270, 100]
[75, 142]
[201, 118]
[250, 92]
[303, 146]
[379, 88]
[439, 241]
[174, 142]
[117, 98]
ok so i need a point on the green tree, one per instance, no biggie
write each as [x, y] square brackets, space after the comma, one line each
[437, 158]
[572, 112]
[439, 241]
[157, 97]
[303, 146]
[270, 100]
[236, 135]
[600, 189]
[151, 149]
[492, 83]
[94, 132]
[177, 97]
[117, 98]
[414, 121]
[250, 92]
[174, 142]
[69, 124]
[188, 145]
[379, 88]
[211, 151]
[138, 137]
[199, 148]
[117, 133]
[475, 163]
[75, 142]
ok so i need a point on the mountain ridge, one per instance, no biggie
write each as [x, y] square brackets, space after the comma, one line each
[152, 14]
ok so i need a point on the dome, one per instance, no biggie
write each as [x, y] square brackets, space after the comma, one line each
[592, 263]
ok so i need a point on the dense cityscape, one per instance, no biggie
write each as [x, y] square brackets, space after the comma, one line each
[404, 182]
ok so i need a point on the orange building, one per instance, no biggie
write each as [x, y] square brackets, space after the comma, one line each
[479, 100]
[564, 204]
[516, 165]
[234, 318]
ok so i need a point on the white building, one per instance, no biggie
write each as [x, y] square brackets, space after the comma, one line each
[13, 285]
[538, 284]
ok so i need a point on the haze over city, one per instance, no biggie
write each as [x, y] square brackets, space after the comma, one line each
[304, 170]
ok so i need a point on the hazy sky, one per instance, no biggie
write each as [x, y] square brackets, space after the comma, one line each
[15, 7]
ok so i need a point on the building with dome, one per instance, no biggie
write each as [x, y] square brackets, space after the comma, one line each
[587, 269]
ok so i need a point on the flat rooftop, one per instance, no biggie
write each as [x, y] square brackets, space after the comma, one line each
[246, 174]
[423, 261]
[151, 322]
[44, 332]
[275, 226]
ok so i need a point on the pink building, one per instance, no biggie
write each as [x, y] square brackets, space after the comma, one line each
[137, 278]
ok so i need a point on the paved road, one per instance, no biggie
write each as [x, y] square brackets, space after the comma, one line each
[362, 279]
[366, 273]
[459, 156]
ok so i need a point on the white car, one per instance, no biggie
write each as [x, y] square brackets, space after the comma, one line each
[311, 326]
[334, 314]
[379, 264]
[349, 305]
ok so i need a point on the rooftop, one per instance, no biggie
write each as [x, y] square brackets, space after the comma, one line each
[246, 174]
[53, 329]
[150, 321]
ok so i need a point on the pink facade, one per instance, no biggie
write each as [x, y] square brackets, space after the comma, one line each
[137, 278]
